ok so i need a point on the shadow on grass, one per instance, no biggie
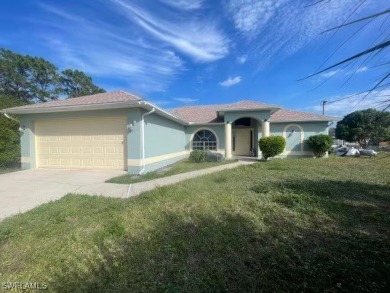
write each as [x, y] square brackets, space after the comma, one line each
[229, 253]
[349, 203]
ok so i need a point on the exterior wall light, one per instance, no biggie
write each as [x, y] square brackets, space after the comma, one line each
[22, 128]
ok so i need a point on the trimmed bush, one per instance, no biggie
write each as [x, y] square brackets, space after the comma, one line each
[198, 156]
[272, 146]
[320, 144]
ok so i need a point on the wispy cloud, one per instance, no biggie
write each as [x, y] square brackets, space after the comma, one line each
[331, 73]
[281, 27]
[103, 50]
[362, 69]
[352, 102]
[186, 100]
[198, 39]
[250, 16]
[230, 81]
[184, 4]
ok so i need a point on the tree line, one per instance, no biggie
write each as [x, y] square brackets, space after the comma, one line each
[33, 79]
[27, 79]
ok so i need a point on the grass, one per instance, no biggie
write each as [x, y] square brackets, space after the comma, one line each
[314, 225]
[182, 166]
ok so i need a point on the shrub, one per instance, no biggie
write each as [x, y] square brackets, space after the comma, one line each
[214, 157]
[320, 144]
[198, 156]
[272, 146]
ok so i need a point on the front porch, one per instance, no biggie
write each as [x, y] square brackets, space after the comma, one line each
[242, 136]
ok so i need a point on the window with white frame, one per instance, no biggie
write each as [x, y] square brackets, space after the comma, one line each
[204, 140]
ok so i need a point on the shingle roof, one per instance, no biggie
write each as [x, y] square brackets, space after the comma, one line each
[195, 114]
[103, 98]
[208, 113]
[292, 115]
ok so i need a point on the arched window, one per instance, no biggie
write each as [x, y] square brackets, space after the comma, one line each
[204, 140]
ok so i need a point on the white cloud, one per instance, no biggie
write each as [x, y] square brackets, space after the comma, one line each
[201, 40]
[250, 16]
[242, 59]
[104, 50]
[351, 103]
[362, 69]
[282, 27]
[186, 100]
[230, 81]
[184, 4]
[331, 73]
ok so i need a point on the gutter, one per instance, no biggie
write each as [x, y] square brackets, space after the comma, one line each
[9, 117]
[143, 137]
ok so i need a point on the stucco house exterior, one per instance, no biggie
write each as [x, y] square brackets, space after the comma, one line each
[118, 130]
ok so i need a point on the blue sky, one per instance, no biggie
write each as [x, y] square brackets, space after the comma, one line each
[186, 52]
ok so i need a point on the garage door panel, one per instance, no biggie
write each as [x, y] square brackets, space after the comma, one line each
[82, 143]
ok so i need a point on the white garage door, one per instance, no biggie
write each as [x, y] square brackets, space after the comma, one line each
[96, 143]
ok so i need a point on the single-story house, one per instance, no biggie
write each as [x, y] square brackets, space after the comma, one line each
[118, 130]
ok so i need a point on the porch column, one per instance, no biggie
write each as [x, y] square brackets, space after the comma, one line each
[265, 128]
[228, 140]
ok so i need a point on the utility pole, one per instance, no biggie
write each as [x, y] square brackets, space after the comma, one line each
[323, 106]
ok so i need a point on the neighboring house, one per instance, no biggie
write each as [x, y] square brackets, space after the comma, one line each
[119, 130]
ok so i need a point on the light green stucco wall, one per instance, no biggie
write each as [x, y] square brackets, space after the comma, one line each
[165, 140]
[163, 136]
[309, 129]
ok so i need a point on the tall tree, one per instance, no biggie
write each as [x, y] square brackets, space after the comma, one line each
[75, 83]
[30, 79]
[365, 127]
[34, 79]
[9, 135]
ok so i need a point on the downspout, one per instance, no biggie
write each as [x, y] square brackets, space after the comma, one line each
[143, 139]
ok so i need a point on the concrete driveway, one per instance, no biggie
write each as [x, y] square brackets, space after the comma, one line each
[24, 190]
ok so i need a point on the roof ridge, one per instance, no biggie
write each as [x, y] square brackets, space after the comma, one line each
[222, 105]
[130, 94]
[300, 111]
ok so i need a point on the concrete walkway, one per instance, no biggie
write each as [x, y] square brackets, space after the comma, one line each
[126, 190]
[137, 188]
[24, 190]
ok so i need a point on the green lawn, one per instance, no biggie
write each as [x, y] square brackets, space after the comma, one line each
[314, 225]
[177, 168]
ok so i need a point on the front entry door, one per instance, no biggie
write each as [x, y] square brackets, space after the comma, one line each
[242, 142]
